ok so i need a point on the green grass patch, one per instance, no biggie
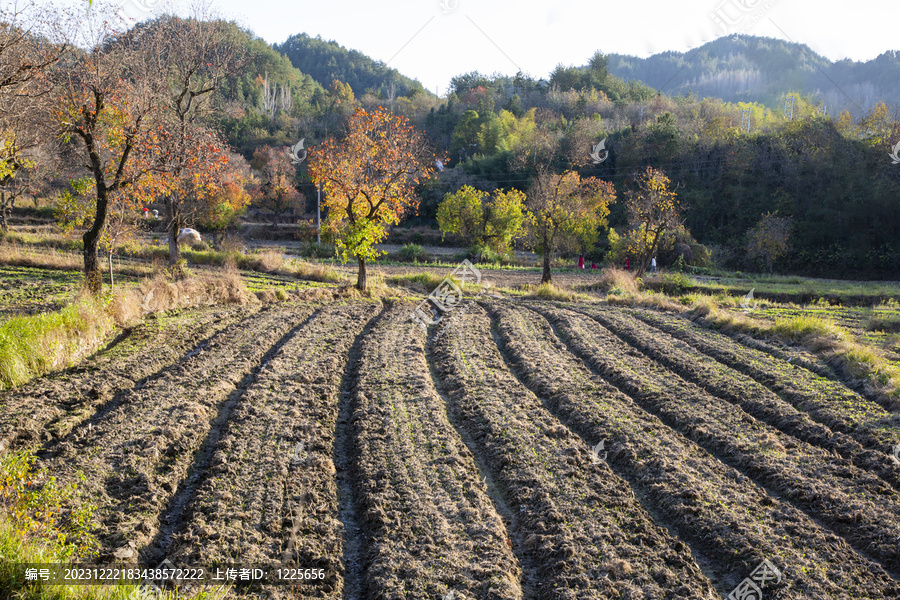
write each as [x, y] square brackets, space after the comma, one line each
[34, 345]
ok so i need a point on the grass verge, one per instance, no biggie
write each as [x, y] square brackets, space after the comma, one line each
[836, 345]
[34, 345]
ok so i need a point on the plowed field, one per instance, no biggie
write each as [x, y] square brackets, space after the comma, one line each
[523, 450]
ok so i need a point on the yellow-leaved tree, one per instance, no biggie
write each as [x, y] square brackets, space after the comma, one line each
[483, 220]
[652, 211]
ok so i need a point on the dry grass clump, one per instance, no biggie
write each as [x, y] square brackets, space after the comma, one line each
[548, 291]
[618, 282]
[159, 294]
[267, 261]
[15, 255]
[313, 272]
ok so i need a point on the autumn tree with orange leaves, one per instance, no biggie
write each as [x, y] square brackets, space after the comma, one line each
[200, 53]
[131, 104]
[109, 111]
[368, 179]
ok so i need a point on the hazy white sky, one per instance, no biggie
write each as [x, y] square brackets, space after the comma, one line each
[434, 40]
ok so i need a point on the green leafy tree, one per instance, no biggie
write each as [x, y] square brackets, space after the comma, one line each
[483, 219]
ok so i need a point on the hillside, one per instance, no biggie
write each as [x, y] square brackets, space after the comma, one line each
[326, 60]
[742, 68]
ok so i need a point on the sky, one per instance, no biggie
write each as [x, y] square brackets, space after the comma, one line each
[435, 40]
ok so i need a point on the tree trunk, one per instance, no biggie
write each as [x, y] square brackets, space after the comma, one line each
[4, 213]
[361, 282]
[91, 239]
[111, 282]
[545, 276]
[174, 252]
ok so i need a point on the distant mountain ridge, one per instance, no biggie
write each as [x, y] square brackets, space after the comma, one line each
[746, 68]
[326, 60]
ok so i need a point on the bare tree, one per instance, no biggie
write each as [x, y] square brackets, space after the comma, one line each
[30, 44]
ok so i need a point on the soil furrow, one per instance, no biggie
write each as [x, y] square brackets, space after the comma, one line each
[137, 456]
[733, 523]
[431, 527]
[51, 407]
[528, 567]
[353, 537]
[826, 401]
[173, 517]
[855, 504]
[587, 534]
[269, 496]
[754, 398]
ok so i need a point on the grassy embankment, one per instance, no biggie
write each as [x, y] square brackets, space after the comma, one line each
[841, 348]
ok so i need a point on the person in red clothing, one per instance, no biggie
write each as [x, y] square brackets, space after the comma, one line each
[627, 264]
[581, 262]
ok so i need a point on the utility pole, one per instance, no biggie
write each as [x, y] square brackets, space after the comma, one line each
[789, 108]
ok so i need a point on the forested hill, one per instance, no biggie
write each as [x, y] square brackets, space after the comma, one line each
[326, 61]
[744, 68]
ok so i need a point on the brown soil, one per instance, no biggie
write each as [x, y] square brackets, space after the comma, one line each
[335, 434]
[856, 505]
[582, 527]
[730, 524]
